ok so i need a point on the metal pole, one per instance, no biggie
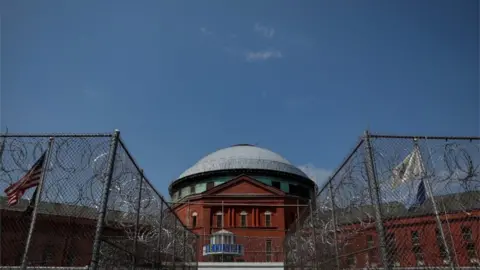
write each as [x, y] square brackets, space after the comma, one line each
[375, 193]
[184, 247]
[223, 220]
[104, 203]
[137, 221]
[174, 241]
[1, 228]
[2, 147]
[37, 202]
[434, 205]
[312, 219]
[334, 221]
[160, 230]
[450, 234]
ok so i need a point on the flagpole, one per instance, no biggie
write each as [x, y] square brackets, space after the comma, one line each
[374, 191]
[2, 147]
[434, 204]
[37, 201]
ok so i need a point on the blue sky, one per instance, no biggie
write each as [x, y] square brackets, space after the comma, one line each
[181, 79]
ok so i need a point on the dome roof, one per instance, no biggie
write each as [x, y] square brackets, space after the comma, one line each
[243, 156]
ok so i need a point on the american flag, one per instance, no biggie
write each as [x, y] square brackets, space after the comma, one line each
[31, 179]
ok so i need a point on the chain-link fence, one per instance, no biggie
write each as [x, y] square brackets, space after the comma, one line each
[94, 208]
[395, 203]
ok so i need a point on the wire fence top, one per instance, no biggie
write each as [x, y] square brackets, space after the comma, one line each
[424, 137]
[147, 181]
[60, 135]
[96, 206]
[399, 201]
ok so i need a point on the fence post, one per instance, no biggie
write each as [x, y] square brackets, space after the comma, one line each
[137, 221]
[312, 220]
[184, 247]
[374, 190]
[174, 241]
[104, 202]
[334, 221]
[434, 205]
[160, 229]
[37, 203]
[2, 147]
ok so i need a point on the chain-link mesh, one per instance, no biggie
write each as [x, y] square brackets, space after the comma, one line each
[375, 212]
[65, 224]
[138, 229]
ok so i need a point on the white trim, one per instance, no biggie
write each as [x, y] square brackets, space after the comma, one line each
[194, 214]
[243, 213]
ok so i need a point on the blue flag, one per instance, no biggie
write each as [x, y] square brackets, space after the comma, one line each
[421, 196]
[421, 193]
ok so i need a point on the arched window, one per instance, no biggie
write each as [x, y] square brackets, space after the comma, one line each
[194, 219]
[268, 219]
[219, 219]
[243, 219]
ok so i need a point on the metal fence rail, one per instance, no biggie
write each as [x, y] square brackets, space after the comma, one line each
[96, 208]
[376, 213]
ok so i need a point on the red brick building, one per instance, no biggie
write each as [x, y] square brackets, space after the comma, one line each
[412, 236]
[64, 236]
[245, 190]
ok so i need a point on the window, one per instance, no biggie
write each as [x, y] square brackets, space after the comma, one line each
[179, 193]
[243, 219]
[417, 249]
[276, 184]
[192, 189]
[370, 241]
[219, 220]
[467, 234]
[415, 238]
[268, 219]
[47, 257]
[70, 259]
[303, 192]
[371, 253]
[351, 260]
[210, 185]
[441, 246]
[392, 250]
[293, 189]
[194, 220]
[268, 250]
[471, 252]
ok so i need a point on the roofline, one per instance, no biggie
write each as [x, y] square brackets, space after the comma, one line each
[304, 180]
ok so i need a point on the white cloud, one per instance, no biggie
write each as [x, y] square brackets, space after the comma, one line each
[319, 175]
[205, 31]
[253, 56]
[263, 30]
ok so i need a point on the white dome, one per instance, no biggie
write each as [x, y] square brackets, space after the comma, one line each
[243, 156]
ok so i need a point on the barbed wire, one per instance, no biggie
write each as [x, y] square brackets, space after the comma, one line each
[334, 233]
[74, 180]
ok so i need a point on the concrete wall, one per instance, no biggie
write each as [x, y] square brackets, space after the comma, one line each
[240, 265]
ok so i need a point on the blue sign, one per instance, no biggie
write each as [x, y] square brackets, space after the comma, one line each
[229, 249]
